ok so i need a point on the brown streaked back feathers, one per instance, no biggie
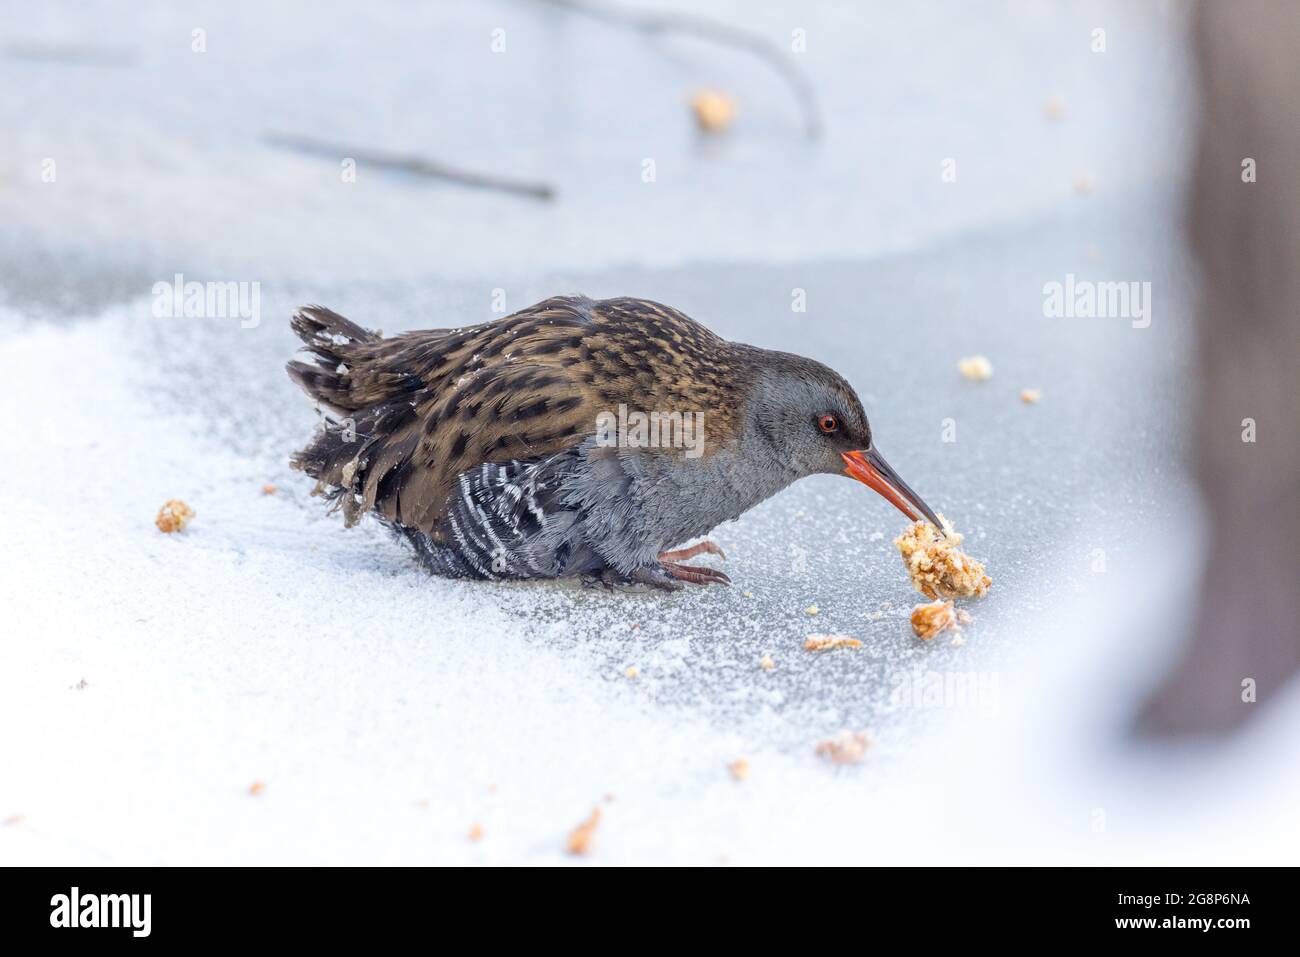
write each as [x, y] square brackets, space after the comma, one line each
[426, 406]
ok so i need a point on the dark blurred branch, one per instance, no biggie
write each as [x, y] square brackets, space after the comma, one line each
[720, 33]
[414, 165]
[67, 53]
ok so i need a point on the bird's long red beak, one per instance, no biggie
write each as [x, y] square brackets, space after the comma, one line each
[870, 468]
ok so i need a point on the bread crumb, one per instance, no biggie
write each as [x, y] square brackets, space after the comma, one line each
[929, 620]
[580, 838]
[1030, 396]
[811, 610]
[256, 788]
[739, 768]
[12, 819]
[269, 489]
[632, 671]
[975, 368]
[937, 565]
[475, 832]
[748, 594]
[963, 617]
[1083, 183]
[957, 641]
[845, 748]
[1054, 107]
[714, 110]
[766, 663]
[829, 642]
[173, 516]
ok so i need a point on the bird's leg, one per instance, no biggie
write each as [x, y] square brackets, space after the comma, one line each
[703, 547]
[697, 575]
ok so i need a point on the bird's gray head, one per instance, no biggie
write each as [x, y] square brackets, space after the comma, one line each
[807, 420]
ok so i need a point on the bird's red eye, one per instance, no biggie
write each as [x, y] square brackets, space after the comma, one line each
[828, 423]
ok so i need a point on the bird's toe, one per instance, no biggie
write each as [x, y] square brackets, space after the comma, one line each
[652, 575]
[696, 574]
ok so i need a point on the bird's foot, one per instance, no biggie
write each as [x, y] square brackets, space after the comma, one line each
[696, 574]
[668, 574]
[704, 547]
[655, 576]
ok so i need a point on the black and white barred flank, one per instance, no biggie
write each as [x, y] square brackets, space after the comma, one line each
[495, 523]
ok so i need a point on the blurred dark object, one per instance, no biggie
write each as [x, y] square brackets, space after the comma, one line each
[411, 165]
[1246, 237]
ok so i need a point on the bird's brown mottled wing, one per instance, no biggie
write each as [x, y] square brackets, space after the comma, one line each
[427, 406]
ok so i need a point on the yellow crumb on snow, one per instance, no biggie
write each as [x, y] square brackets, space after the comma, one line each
[1083, 183]
[1054, 107]
[937, 565]
[739, 769]
[714, 110]
[256, 788]
[475, 832]
[173, 516]
[811, 610]
[829, 642]
[929, 620]
[632, 671]
[766, 663]
[269, 489]
[845, 748]
[580, 838]
[1030, 396]
[975, 368]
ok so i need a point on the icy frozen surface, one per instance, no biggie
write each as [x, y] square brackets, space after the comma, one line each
[148, 682]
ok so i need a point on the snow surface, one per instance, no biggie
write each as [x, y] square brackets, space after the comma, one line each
[385, 712]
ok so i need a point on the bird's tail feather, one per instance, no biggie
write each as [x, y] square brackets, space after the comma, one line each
[334, 341]
[366, 382]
